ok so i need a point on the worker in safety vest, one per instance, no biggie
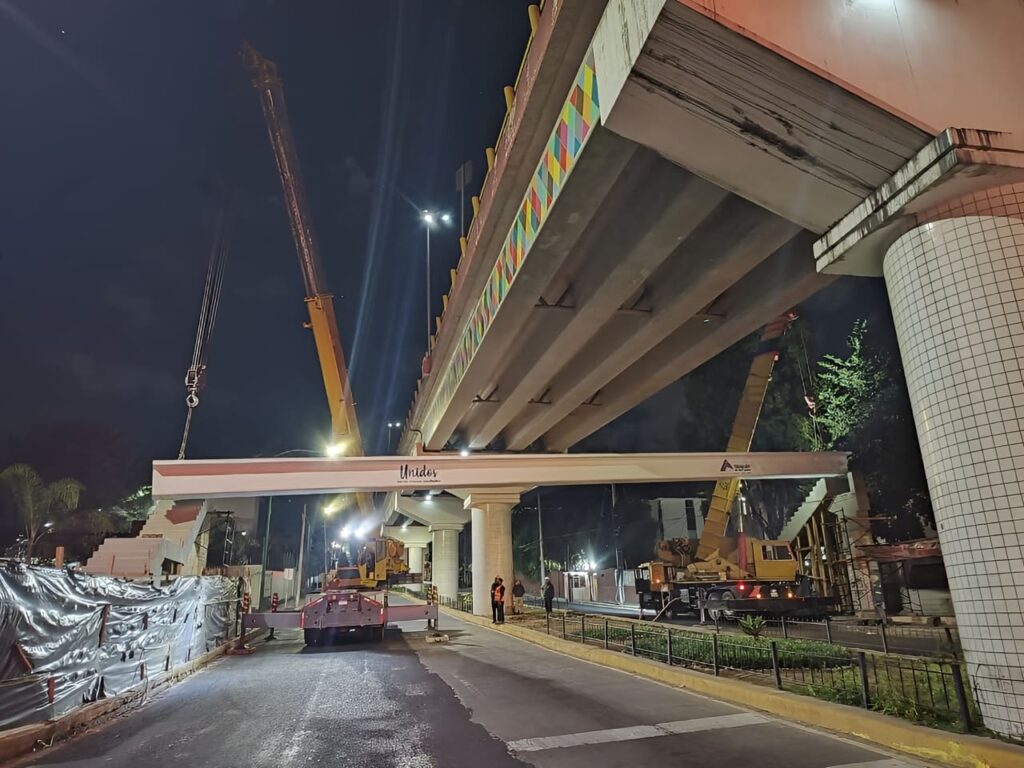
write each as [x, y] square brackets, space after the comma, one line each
[498, 602]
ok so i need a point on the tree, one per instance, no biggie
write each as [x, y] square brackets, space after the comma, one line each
[37, 502]
[847, 390]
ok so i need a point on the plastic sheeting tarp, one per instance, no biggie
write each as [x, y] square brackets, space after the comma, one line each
[67, 638]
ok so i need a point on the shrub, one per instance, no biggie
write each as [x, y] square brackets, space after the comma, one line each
[753, 626]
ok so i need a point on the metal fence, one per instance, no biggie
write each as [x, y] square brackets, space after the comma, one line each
[884, 637]
[907, 639]
[929, 691]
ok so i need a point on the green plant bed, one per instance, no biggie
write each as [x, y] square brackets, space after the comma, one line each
[916, 690]
[738, 652]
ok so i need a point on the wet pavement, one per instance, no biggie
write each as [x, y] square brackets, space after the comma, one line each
[483, 699]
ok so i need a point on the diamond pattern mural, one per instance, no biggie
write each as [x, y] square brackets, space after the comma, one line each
[579, 115]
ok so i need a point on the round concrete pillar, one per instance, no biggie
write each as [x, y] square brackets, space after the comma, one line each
[492, 545]
[415, 555]
[956, 285]
[481, 579]
[445, 560]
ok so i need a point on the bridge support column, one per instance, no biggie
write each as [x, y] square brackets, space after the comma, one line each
[415, 555]
[956, 285]
[415, 563]
[492, 544]
[444, 565]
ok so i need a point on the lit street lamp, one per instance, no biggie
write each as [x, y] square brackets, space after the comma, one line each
[430, 220]
[392, 425]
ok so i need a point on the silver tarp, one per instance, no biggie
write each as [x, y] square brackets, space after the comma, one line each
[67, 638]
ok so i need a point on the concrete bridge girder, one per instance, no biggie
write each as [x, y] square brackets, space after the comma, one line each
[748, 122]
[411, 535]
[433, 510]
[669, 204]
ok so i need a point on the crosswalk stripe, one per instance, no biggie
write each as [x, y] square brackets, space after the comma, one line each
[633, 732]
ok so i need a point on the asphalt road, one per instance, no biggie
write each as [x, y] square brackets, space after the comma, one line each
[482, 699]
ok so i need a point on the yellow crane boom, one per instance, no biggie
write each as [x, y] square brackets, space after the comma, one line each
[744, 424]
[319, 302]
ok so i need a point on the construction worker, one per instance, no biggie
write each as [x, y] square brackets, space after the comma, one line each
[498, 602]
[494, 607]
[518, 593]
[549, 594]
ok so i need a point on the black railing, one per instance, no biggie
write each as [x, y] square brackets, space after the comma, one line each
[929, 691]
[874, 636]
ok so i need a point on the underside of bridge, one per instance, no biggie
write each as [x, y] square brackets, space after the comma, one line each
[680, 221]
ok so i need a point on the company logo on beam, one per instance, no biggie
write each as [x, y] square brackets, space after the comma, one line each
[728, 466]
[410, 474]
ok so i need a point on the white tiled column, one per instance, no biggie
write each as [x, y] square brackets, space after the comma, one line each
[956, 285]
[415, 559]
[492, 545]
[444, 565]
[481, 577]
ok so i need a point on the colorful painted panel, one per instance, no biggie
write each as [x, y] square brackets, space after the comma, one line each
[579, 115]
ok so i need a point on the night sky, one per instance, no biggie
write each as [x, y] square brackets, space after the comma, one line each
[116, 116]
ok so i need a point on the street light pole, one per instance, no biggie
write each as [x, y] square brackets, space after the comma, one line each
[302, 550]
[428, 287]
[429, 220]
[266, 545]
[540, 537]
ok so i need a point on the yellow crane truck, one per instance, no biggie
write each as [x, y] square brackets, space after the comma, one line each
[380, 564]
[726, 575]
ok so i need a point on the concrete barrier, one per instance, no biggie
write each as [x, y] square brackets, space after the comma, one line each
[960, 750]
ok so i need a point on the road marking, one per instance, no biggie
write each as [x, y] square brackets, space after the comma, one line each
[878, 764]
[634, 732]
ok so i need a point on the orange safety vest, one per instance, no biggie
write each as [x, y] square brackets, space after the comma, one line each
[499, 593]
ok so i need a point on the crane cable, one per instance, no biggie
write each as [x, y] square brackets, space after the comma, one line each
[808, 386]
[196, 373]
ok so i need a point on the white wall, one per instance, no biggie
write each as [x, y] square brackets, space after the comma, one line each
[673, 517]
[941, 62]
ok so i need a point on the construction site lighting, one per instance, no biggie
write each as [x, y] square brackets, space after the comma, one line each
[345, 533]
[334, 450]
[464, 452]
[431, 218]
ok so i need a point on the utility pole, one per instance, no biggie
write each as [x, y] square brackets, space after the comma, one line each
[323, 517]
[266, 545]
[540, 536]
[302, 549]
[620, 593]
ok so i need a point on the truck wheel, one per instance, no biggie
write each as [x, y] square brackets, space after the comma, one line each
[715, 604]
[311, 636]
[726, 595]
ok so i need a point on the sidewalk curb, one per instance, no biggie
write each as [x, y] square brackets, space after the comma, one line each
[960, 750]
[20, 741]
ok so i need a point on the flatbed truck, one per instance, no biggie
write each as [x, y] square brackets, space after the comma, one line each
[337, 613]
